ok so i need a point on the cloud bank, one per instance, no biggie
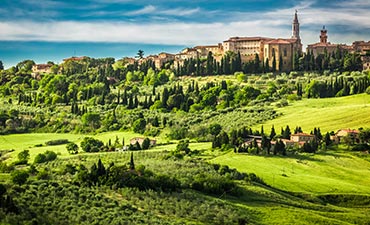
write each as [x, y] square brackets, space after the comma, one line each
[346, 23]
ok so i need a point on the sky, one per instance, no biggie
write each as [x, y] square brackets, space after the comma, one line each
[50, 30]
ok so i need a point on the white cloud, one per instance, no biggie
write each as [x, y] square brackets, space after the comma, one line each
[152, 10]
[180, 12]
[146, 10]
[270, 24]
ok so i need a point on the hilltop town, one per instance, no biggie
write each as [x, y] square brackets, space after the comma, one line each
[277, 54]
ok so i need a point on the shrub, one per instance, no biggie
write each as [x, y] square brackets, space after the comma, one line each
[72, 148]
[368, 90]
[40, 158]
[50, 155]
[45, 157]
[19, 177]
[361, 147]
[57, 142]
[90, 144]
[23, 157]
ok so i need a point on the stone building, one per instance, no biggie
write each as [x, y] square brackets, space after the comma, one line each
[39, 69]
[247, 46]
[283, 49]
[323, 45]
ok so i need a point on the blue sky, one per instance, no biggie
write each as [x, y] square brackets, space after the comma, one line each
[45, 30]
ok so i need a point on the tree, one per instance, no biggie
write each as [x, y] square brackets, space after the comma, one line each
[287, 133]
[140, 54]
[101, 169]
[272, 133]
[132, 163]
[23, 156]
[214, 129]
[72, 148]
[91, 119]
[19, 176]
[1, 65]
[273, 69]
[183, 146]
[40, 158]
[281, 63]
[139, 125]
[146, 144]
[90, 144]
[327, 139]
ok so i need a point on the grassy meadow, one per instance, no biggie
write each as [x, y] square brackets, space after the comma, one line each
[329, 114]
[322, 173]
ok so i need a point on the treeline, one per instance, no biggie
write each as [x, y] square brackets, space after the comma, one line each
[260, 142]
[231, 62]
[335, 87]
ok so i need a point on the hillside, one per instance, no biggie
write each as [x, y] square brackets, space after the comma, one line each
[329, 114]
[323, 173]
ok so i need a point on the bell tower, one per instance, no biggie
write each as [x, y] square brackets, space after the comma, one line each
[295, 27]
[324, 36]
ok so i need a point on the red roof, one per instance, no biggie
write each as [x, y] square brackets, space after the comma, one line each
[319, 44]
[75, 58]
[349, 131]
[279, 41]
[247, 39]
[303, 134]
[43, 66]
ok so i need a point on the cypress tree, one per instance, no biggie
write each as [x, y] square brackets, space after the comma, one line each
[132, 164]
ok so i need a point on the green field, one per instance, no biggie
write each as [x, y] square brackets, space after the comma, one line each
[19, 142]
[322, 173]
[329, 114]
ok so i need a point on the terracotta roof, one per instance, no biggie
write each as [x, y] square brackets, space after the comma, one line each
[165, 53]
[303, 134]
[233, 39]
[280, 41]
[75, 58]
[349, 131]
[319, 44]
[206, 46]
[43, 66]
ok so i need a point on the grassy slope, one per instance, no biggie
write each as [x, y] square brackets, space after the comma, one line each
[330, 114]
[330, 172]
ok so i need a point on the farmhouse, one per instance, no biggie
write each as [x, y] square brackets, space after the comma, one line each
[40, 69]
[302, 137]
[298, 139]
[340, 135]
[140, 140]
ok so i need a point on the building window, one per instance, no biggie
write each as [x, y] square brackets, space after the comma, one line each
[285, 52]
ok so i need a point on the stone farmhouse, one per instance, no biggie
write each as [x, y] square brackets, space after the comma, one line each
[140, 140]
[341, 134]
[298, 139]
[39, 69]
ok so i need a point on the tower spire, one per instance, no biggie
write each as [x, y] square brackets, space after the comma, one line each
[295, 26]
